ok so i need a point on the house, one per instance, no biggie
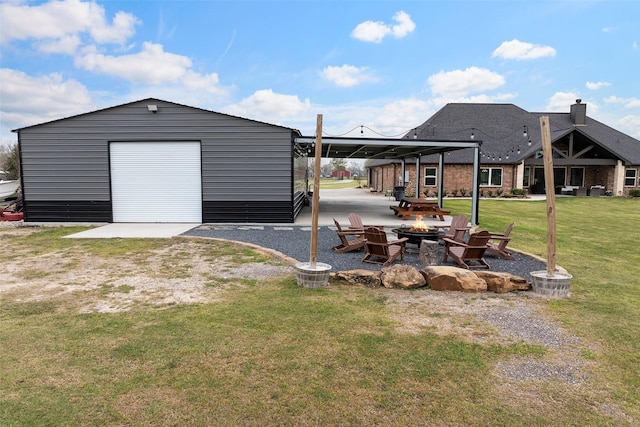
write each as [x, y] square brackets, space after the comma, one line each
[589, 157]
[158, 161]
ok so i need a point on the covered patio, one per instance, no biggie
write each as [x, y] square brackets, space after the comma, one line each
[402, 149]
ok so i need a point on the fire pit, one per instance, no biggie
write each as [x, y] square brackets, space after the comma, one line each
[417, 232]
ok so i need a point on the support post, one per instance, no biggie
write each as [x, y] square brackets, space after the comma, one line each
[315, 208]
[475, 208]
[440, 179]
[549, 194]
[418, 177]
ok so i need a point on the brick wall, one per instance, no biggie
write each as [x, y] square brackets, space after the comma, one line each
[456, 177]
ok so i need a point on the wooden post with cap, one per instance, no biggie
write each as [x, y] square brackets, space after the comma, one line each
[550, 194]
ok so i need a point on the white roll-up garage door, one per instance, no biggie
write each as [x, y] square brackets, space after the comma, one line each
[156, 181]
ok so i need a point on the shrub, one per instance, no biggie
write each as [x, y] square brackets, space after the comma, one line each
[519, 192]
[634, 193]
[463, 192]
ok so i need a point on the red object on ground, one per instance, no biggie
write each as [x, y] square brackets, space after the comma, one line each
[11, 216]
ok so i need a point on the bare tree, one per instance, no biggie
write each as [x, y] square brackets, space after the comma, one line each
[10, 161]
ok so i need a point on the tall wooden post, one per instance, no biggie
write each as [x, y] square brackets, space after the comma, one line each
[549, 187]
[315, 206]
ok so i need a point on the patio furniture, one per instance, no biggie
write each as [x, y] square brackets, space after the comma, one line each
[409, 206]
[457, 229]
[500, 248]
[389, 194]
[471, 250]
[356, 223]
[381, 251]
[350, 240]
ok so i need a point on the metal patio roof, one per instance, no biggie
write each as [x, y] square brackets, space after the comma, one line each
[381, 148]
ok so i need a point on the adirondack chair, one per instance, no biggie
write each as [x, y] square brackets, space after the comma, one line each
[500, 248]
[471, 250]
[356, 223]
[377, 246]
[350, 240]
[456, 231]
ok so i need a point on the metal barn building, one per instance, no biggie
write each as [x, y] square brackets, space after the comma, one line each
[158, 161]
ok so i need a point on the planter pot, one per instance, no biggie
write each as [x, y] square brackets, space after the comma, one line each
[556, 285]
[312, 277]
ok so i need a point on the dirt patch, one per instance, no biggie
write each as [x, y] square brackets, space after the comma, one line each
[182, 273]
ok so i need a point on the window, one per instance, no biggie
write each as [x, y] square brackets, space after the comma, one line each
[491, 177]
[630, 177]
[526, 178]
[559, 176]
[430, 178]
[576, 177]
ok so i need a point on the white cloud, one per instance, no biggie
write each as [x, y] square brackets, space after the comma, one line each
[631, 125]
[150, 66]
[405, 25]
[347, 75]
[375, 32]
[626, 102]
[267, 106]
[29, 100]
[515, 49]
[462, 82]
[398, 117]
[561, 102]
[66, 45]
[597, 85]
[56, 21]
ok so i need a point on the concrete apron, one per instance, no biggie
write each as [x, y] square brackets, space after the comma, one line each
[338, 204]
[136, 230]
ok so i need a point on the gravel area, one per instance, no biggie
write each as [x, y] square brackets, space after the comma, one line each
[295, 242]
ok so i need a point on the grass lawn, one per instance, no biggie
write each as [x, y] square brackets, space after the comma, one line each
[272, 353]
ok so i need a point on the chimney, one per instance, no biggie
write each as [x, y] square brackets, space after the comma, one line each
[578, 113]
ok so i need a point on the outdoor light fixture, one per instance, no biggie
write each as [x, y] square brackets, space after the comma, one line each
[415, 134]
[473, 135]
[529, 142]
[153, 108]
[524, 132]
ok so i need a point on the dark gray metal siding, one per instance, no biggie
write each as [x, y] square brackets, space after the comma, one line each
[246, 165]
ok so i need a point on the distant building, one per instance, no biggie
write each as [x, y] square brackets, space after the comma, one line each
[341, 172]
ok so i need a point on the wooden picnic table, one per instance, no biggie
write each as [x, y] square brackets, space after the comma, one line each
[409, 206]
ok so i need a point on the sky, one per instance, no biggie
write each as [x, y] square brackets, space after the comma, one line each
[372, 68]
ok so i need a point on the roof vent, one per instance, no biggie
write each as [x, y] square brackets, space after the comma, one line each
[578, 113]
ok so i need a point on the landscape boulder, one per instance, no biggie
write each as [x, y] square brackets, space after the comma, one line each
[503, 282]
[444, 278]
[402, 276]
[360, 277]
